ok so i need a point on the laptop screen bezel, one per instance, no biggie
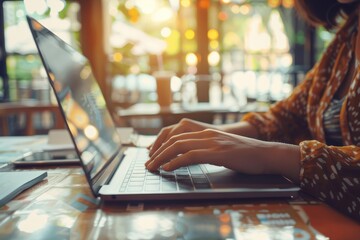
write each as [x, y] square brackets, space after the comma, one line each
[103, 176]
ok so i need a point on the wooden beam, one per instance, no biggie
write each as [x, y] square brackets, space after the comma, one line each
[93, 42]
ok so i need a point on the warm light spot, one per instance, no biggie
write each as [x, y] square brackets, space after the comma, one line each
[87, 157]
[165, 32]
[231, 39]
[91, 132]
[52, 76]
[185, 3]
[274, 3]
[245, 9]
[85, 72]
[214, 44]
[286, 60]
[288, 3]
[172, 43]
[30, 58]
[33, 222]
[134, 15]
[224, 218]
[213, 34]
[135, 69]
[192, 70]
[222, 16]
[235, 9]
[191, 59]
[66, 221]
[117, 57]
[225, 230]
[72, 129]
[226, 1]
[190, 34]
[163, 14]
[37, 26]
[203, 3]
[214, 58]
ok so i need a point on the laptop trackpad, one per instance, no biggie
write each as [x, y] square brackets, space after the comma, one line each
[221, 177]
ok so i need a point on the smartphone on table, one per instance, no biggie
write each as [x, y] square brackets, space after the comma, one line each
[45, 158]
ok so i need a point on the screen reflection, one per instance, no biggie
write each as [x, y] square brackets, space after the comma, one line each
[81, 99]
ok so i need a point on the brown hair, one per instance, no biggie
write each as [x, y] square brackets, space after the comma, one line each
[325, 13]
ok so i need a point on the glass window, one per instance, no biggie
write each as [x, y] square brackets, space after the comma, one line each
[249, 44]
[27, 78]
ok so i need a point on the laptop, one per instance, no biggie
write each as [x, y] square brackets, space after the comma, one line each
[115, 172]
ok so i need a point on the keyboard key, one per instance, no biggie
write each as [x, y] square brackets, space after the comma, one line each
[152, 188]
[183, 177]
[168, 178]
[200, 180]
[135, 183]
[153, 182]
[137, 179]
[152, 177]
[195, 169]
[138, 175]
[185, 185]
[169, 187]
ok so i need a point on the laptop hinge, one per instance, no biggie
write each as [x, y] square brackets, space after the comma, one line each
[105, 175]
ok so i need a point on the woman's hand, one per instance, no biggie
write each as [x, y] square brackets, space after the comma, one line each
[184, 126]
[235, 152]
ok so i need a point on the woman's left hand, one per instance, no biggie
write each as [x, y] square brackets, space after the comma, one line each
[235, 152]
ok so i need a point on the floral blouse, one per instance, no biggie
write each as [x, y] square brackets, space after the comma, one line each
[330, 173]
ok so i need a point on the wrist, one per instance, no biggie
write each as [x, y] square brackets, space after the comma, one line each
[285, 160]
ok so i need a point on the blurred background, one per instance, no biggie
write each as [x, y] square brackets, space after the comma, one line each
[248, 50]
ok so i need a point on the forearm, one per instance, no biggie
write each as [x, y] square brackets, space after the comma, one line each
[242, 128]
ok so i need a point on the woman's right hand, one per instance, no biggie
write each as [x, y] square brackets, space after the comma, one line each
[184, 126]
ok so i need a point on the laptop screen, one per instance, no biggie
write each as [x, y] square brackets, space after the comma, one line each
[81, 99]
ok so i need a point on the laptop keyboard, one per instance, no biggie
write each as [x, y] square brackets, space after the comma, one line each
[139, 179]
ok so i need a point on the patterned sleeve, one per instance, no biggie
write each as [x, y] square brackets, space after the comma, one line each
[286, 120]
[332, 174]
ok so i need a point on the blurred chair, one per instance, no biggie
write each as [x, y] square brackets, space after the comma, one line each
[29, 109]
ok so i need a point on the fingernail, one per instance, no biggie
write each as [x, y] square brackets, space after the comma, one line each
[166, 167]
[149, 166]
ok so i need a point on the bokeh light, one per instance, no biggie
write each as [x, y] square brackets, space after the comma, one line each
[191, 59]
[189, 34]
[213, 34]
[214, 58]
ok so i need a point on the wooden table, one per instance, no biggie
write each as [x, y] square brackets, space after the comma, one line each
[62, 207]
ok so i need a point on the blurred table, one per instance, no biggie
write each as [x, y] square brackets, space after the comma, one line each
[28, 109]
[62, 207]
[204, 112]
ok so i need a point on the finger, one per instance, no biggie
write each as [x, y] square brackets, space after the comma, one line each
[175, 149]
[166, 133]
[159, 140]
[204, 134]
[192, 157]
[150, 146]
